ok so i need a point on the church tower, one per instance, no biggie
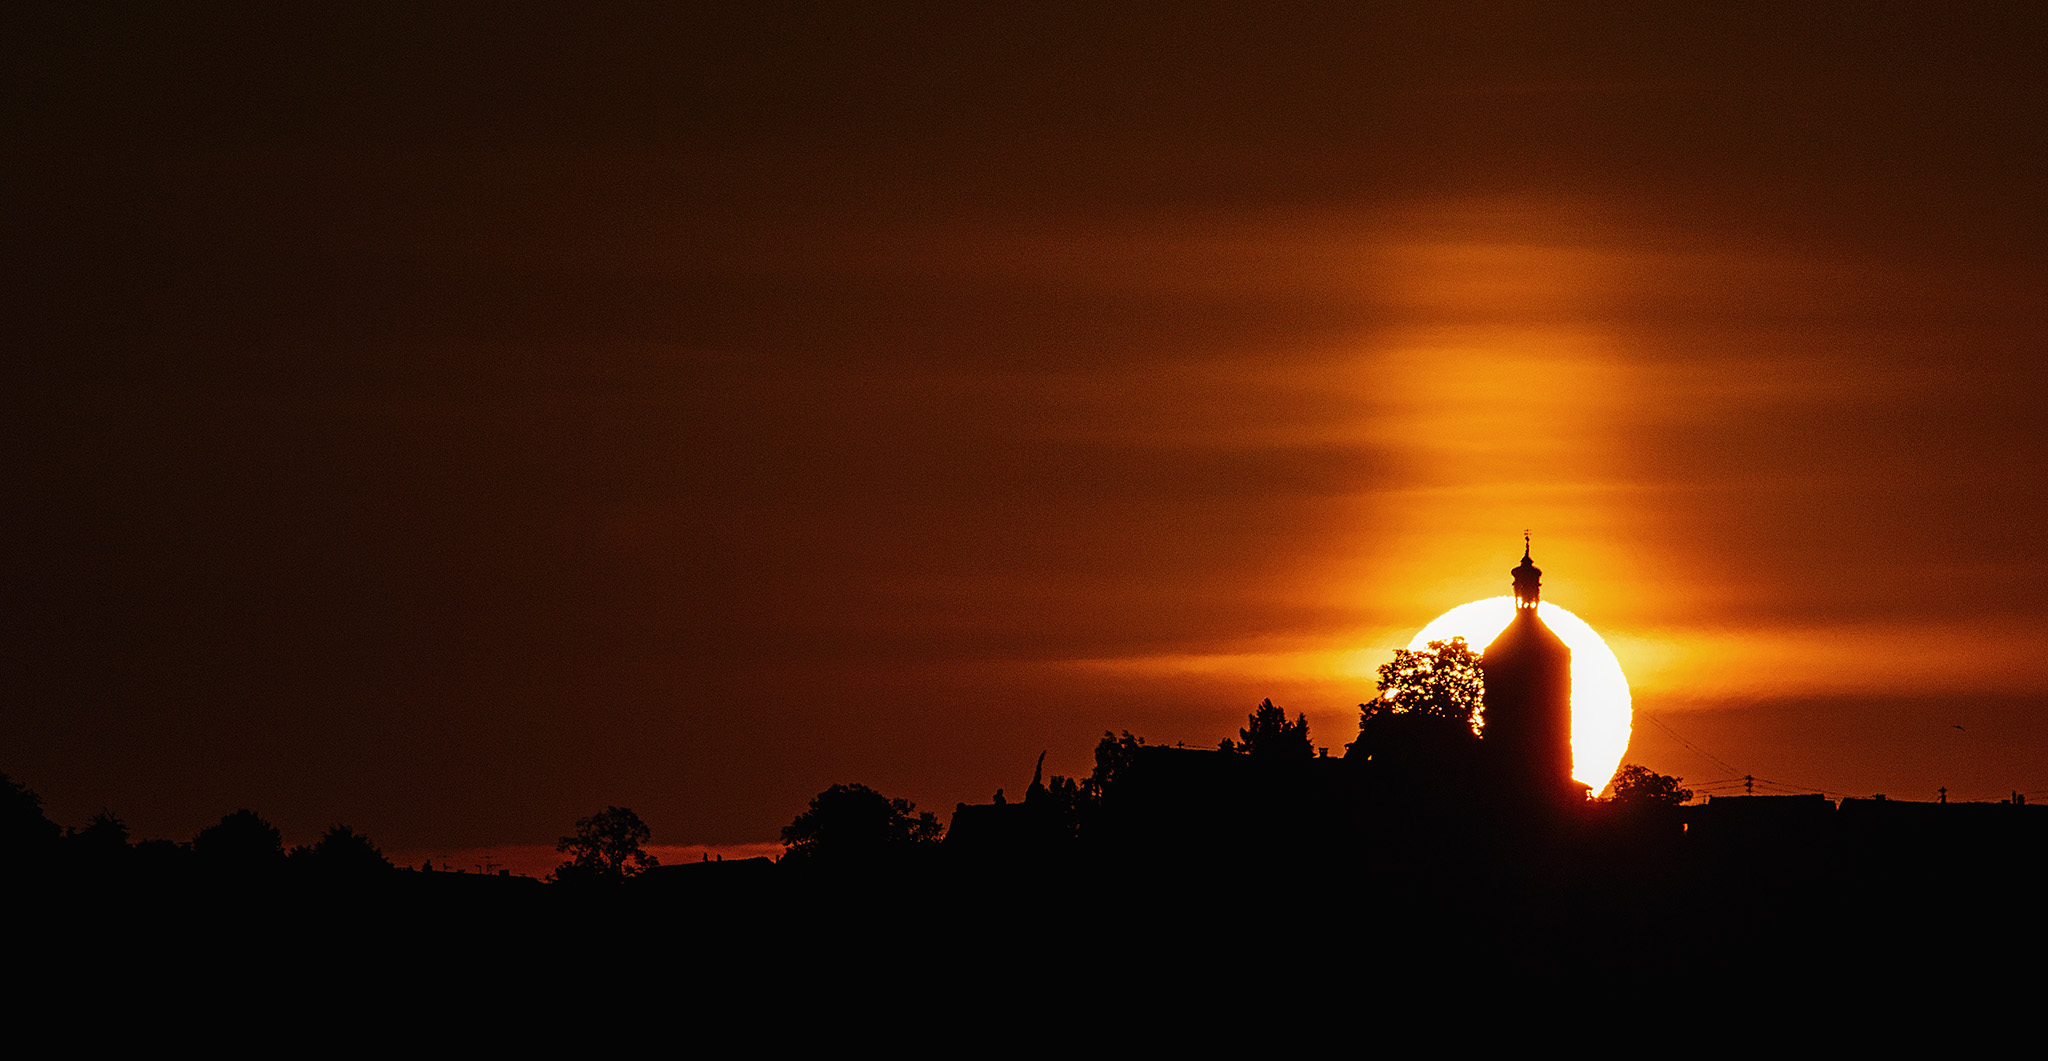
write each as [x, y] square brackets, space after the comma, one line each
[1528, 703]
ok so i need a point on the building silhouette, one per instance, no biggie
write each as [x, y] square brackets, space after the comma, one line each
[1528, 702]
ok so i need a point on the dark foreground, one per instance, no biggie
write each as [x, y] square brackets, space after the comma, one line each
[1469, 934]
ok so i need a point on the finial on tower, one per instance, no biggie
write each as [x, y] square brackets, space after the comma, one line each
[1527, 578]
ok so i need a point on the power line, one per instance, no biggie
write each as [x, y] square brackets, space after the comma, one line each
[1749, 783]
[1694, 747]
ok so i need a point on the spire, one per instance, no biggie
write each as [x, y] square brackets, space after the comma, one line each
[1526, 578]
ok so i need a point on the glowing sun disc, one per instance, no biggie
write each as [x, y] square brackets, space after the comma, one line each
[1601, 710]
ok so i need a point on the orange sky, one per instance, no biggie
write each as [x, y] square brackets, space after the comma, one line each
[453, 424]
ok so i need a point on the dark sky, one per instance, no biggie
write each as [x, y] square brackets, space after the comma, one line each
[453, 422]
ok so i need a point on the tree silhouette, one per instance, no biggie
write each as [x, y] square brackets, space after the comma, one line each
[851, 823]
[102, 844]
[103, 830]
[342, 852]
[606, 848]
[241, 841]
[1113, 758]
[1069, 806]
[1443, 680]
[1640, 784]
[1270, 735]
[25, 832]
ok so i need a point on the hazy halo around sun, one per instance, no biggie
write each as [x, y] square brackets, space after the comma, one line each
[1601, 710]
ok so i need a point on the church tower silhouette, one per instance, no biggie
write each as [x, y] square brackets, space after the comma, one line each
[1528, 701]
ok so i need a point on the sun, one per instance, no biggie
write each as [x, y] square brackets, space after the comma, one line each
[1600, 700]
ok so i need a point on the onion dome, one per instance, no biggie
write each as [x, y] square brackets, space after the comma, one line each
[1527, 578]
